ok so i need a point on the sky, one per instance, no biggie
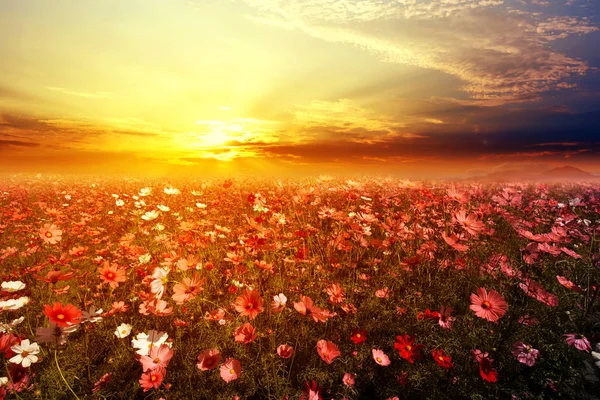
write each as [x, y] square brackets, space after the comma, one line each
[418, 88]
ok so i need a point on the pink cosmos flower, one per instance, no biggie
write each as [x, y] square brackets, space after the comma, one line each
[152, 379]
[285, 351]
[231, 370]
[208, 359]
[525, 353]
[158, 358]
[445, 320]
[490, 306]
[279, 302]
[380, 357]
[50, 234]
[328, 351]
[579, 341]
[568, 284]
[348, 379]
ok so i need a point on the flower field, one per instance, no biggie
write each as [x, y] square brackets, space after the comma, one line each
[315, 288]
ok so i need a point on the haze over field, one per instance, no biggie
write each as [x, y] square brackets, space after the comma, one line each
[421, 89]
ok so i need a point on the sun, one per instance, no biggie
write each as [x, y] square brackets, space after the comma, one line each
[214, 138]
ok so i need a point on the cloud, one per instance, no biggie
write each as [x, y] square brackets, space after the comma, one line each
[94, 95]
[500, 55]
[16, 143]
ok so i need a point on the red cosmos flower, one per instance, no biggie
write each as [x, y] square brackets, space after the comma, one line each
[7, 340]
[54, 276]
[407, 349]
[245, 333]
[249, 304]
[490, 306]
[441, 359]
[112, 274]
[486, 371]
[428, 315]
[311, 391]
[63, 315]
[358, 336]
[208, 359]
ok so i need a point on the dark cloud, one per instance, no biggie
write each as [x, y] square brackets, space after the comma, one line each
[16, 143]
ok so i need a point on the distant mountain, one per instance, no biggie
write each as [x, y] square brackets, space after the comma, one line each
[568, 172]
[559, 174]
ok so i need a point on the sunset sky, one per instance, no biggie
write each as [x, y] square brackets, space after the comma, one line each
[425, 88]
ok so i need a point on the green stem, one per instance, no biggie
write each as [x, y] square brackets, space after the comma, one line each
[61, 374]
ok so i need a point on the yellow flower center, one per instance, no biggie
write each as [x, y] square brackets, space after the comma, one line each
[378, 359]
[485, 305]
[232, 371]
[48, 234]
[60, 316]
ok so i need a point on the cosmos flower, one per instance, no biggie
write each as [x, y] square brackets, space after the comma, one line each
[358, 336]
[158, 358]
[249, 304]
[145, 342]
[442, 359]
[490, 306]
[208, 359]
[285, 351]
[407, 349]
[55, 333]
[112, 274]
[525, 353]
[349, 379]
[50, 234]
[63, 315]
[578, 341]
[279, 302]
[152, 379]
[123, 331]
[245, 334]
[328, 351]
[13, 286]
[230, 370]
[380, 357]
[25, 353]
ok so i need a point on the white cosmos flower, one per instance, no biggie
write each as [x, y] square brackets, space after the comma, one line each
[144, 258]
[25, 353]
[171, 191]
[123, 331]
[596, 355]
[8, 327]
[120, 203]
[150, 215]
[13, 286]
[163, 208]
[13, 304]
[144, 342]
[145, 191]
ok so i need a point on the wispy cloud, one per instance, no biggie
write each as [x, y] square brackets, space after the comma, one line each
[94, 95]
[500, 53]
